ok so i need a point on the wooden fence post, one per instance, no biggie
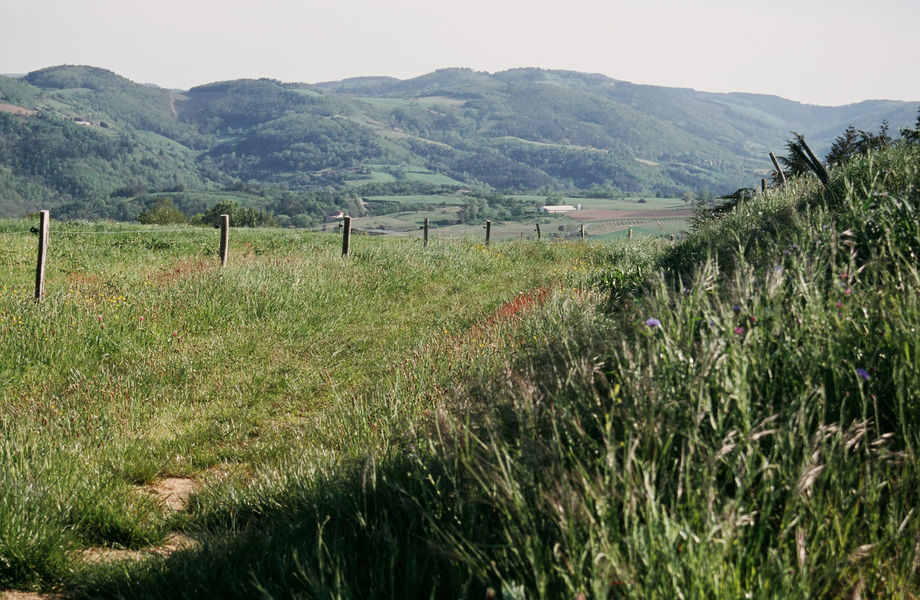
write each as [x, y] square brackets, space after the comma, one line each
[782, 176]
[426, 232]
[582, 232]
[763, 187]
[224, 239]
[816, 165]
[629, 235]
[488, 231]
[538, 231]
[44, 217]
[346, 236]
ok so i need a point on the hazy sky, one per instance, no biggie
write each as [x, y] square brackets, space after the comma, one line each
[816, 51]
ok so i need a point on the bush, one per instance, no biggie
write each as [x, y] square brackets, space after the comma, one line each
[163, 211]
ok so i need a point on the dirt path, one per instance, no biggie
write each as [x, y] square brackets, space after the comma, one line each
[173, 494]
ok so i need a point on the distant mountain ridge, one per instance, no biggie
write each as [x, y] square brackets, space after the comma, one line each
[97, 135]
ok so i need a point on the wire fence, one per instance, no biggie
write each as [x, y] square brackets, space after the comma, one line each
[44, 232]
[128, 231]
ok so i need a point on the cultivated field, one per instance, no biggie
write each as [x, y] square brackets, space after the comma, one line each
[602, 218]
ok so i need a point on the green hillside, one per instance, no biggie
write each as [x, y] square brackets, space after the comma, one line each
[77, 135]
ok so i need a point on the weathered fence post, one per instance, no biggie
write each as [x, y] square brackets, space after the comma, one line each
[763, 187]
[582, 232]
[782, 176]
[816, 165]
[346, 236]
[224, 239]
[629, 235]
[488, 231]
[426, 232]
[538, 231]
[44, 217]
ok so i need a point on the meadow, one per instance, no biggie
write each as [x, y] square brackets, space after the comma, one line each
[603, 218]
[734, 414]
[146, 360]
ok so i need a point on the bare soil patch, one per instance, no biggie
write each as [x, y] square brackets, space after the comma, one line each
[174, 542]
[17, 110]
[173, 492]
[17, 595]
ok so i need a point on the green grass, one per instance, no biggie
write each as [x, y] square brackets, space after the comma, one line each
[147, 360]
[732, 415]
[620, 229]
[436, 199]
[375, 177]
[432, 178]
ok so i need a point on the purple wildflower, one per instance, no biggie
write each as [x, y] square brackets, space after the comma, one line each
[653, 322]
[739, 330]
[862, 374]
[736, 308]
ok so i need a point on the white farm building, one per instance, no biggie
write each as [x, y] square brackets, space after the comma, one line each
[558, 208]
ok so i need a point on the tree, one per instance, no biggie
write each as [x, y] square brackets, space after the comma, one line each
[912, 135]
[163, 211]
[240, 216]
[795, 161]
[854, 142]
[845, 146]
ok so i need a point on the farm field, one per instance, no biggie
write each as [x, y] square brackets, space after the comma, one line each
[603, 218]
[420, 175]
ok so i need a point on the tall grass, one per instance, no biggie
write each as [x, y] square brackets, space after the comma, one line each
[146, 360]
[745, 427]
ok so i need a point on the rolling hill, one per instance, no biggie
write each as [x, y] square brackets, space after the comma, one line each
[78, 137]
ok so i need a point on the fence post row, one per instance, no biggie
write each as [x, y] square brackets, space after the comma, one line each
[224, 239]
[346, 236]
[44, 218]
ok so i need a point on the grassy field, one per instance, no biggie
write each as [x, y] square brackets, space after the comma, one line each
[147, 361]
[663, 204]
[659, 217]
[434, 200]
[732, 415]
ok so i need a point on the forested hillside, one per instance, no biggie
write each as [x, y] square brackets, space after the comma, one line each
[89, 143]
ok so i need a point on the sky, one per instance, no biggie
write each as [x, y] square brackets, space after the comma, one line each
[827, 52]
